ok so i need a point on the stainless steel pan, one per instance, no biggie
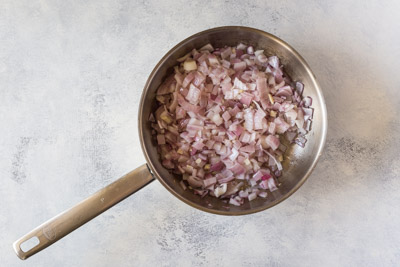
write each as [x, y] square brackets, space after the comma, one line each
[298, 162]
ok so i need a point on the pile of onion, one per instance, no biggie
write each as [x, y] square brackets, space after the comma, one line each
[221, 118]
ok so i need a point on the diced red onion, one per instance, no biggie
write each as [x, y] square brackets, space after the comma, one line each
[243, 194]
[249, 119]
[252, 196]
[220, 116]
[263, 194]
[306, 102]
[272, 185]
[217, 166]
[246, 98]
[272, 141]
[299, 88]
[233, 201]
[308, 113]
[209, 181]
[250, 50]
[238, 169]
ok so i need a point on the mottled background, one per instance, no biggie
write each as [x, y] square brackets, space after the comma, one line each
[71, 74]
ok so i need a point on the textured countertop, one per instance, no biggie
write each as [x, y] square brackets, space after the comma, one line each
[71, 75]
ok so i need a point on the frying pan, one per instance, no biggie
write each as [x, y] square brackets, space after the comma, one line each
[298, 164]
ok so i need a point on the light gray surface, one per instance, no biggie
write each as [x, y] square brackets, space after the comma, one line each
[71, 74]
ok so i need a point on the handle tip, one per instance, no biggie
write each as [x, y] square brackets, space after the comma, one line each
[18, 250]
[26, 246]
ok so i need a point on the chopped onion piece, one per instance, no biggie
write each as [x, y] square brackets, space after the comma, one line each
[263, 194]
[252, 196]
[220, 190]
[189, 65]
[207, 47]
[272, 141]
[209, 181]
[233, 201]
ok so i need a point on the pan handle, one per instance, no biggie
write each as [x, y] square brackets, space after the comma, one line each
[66, 222]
